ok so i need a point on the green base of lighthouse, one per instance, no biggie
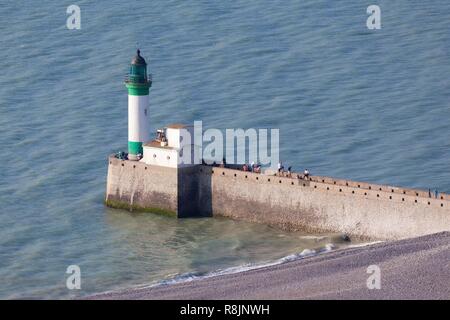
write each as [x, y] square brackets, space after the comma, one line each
[135, 148]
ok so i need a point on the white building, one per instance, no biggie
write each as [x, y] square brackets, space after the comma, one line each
[174, 149]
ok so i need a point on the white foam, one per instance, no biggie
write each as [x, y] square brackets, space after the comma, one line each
[364, 244]
[188, 277]
[317, 238]
[192, 276]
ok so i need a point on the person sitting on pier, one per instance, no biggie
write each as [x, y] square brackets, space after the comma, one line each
[306, 174]
[280, 168]
[289, 172]
[252, 166]
[121, 155]
[245, 167]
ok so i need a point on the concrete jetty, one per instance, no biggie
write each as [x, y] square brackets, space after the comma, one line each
[318, 204]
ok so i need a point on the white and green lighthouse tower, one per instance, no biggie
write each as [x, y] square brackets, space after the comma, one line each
[138, 84]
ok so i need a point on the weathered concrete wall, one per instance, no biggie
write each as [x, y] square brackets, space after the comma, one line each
[317, 206]
[323, 204]
[135, 185]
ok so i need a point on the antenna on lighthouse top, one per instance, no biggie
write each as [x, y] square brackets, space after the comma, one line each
[138, 51]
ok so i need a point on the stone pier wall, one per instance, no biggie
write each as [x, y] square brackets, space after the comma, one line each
[135, 186]
[359, 209]
[323, 204]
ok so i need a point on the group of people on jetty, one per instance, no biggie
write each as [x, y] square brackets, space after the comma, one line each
[288, 173]
[256, 168]
[252, 167]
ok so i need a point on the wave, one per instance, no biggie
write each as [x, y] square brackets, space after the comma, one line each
[193, 276]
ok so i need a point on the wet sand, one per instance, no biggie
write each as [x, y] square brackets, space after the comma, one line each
[417, 268]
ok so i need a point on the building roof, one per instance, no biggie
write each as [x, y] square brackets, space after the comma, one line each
[177, 126]
[156, 144]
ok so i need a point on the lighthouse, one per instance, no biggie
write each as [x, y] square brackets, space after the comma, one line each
[138, 84]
